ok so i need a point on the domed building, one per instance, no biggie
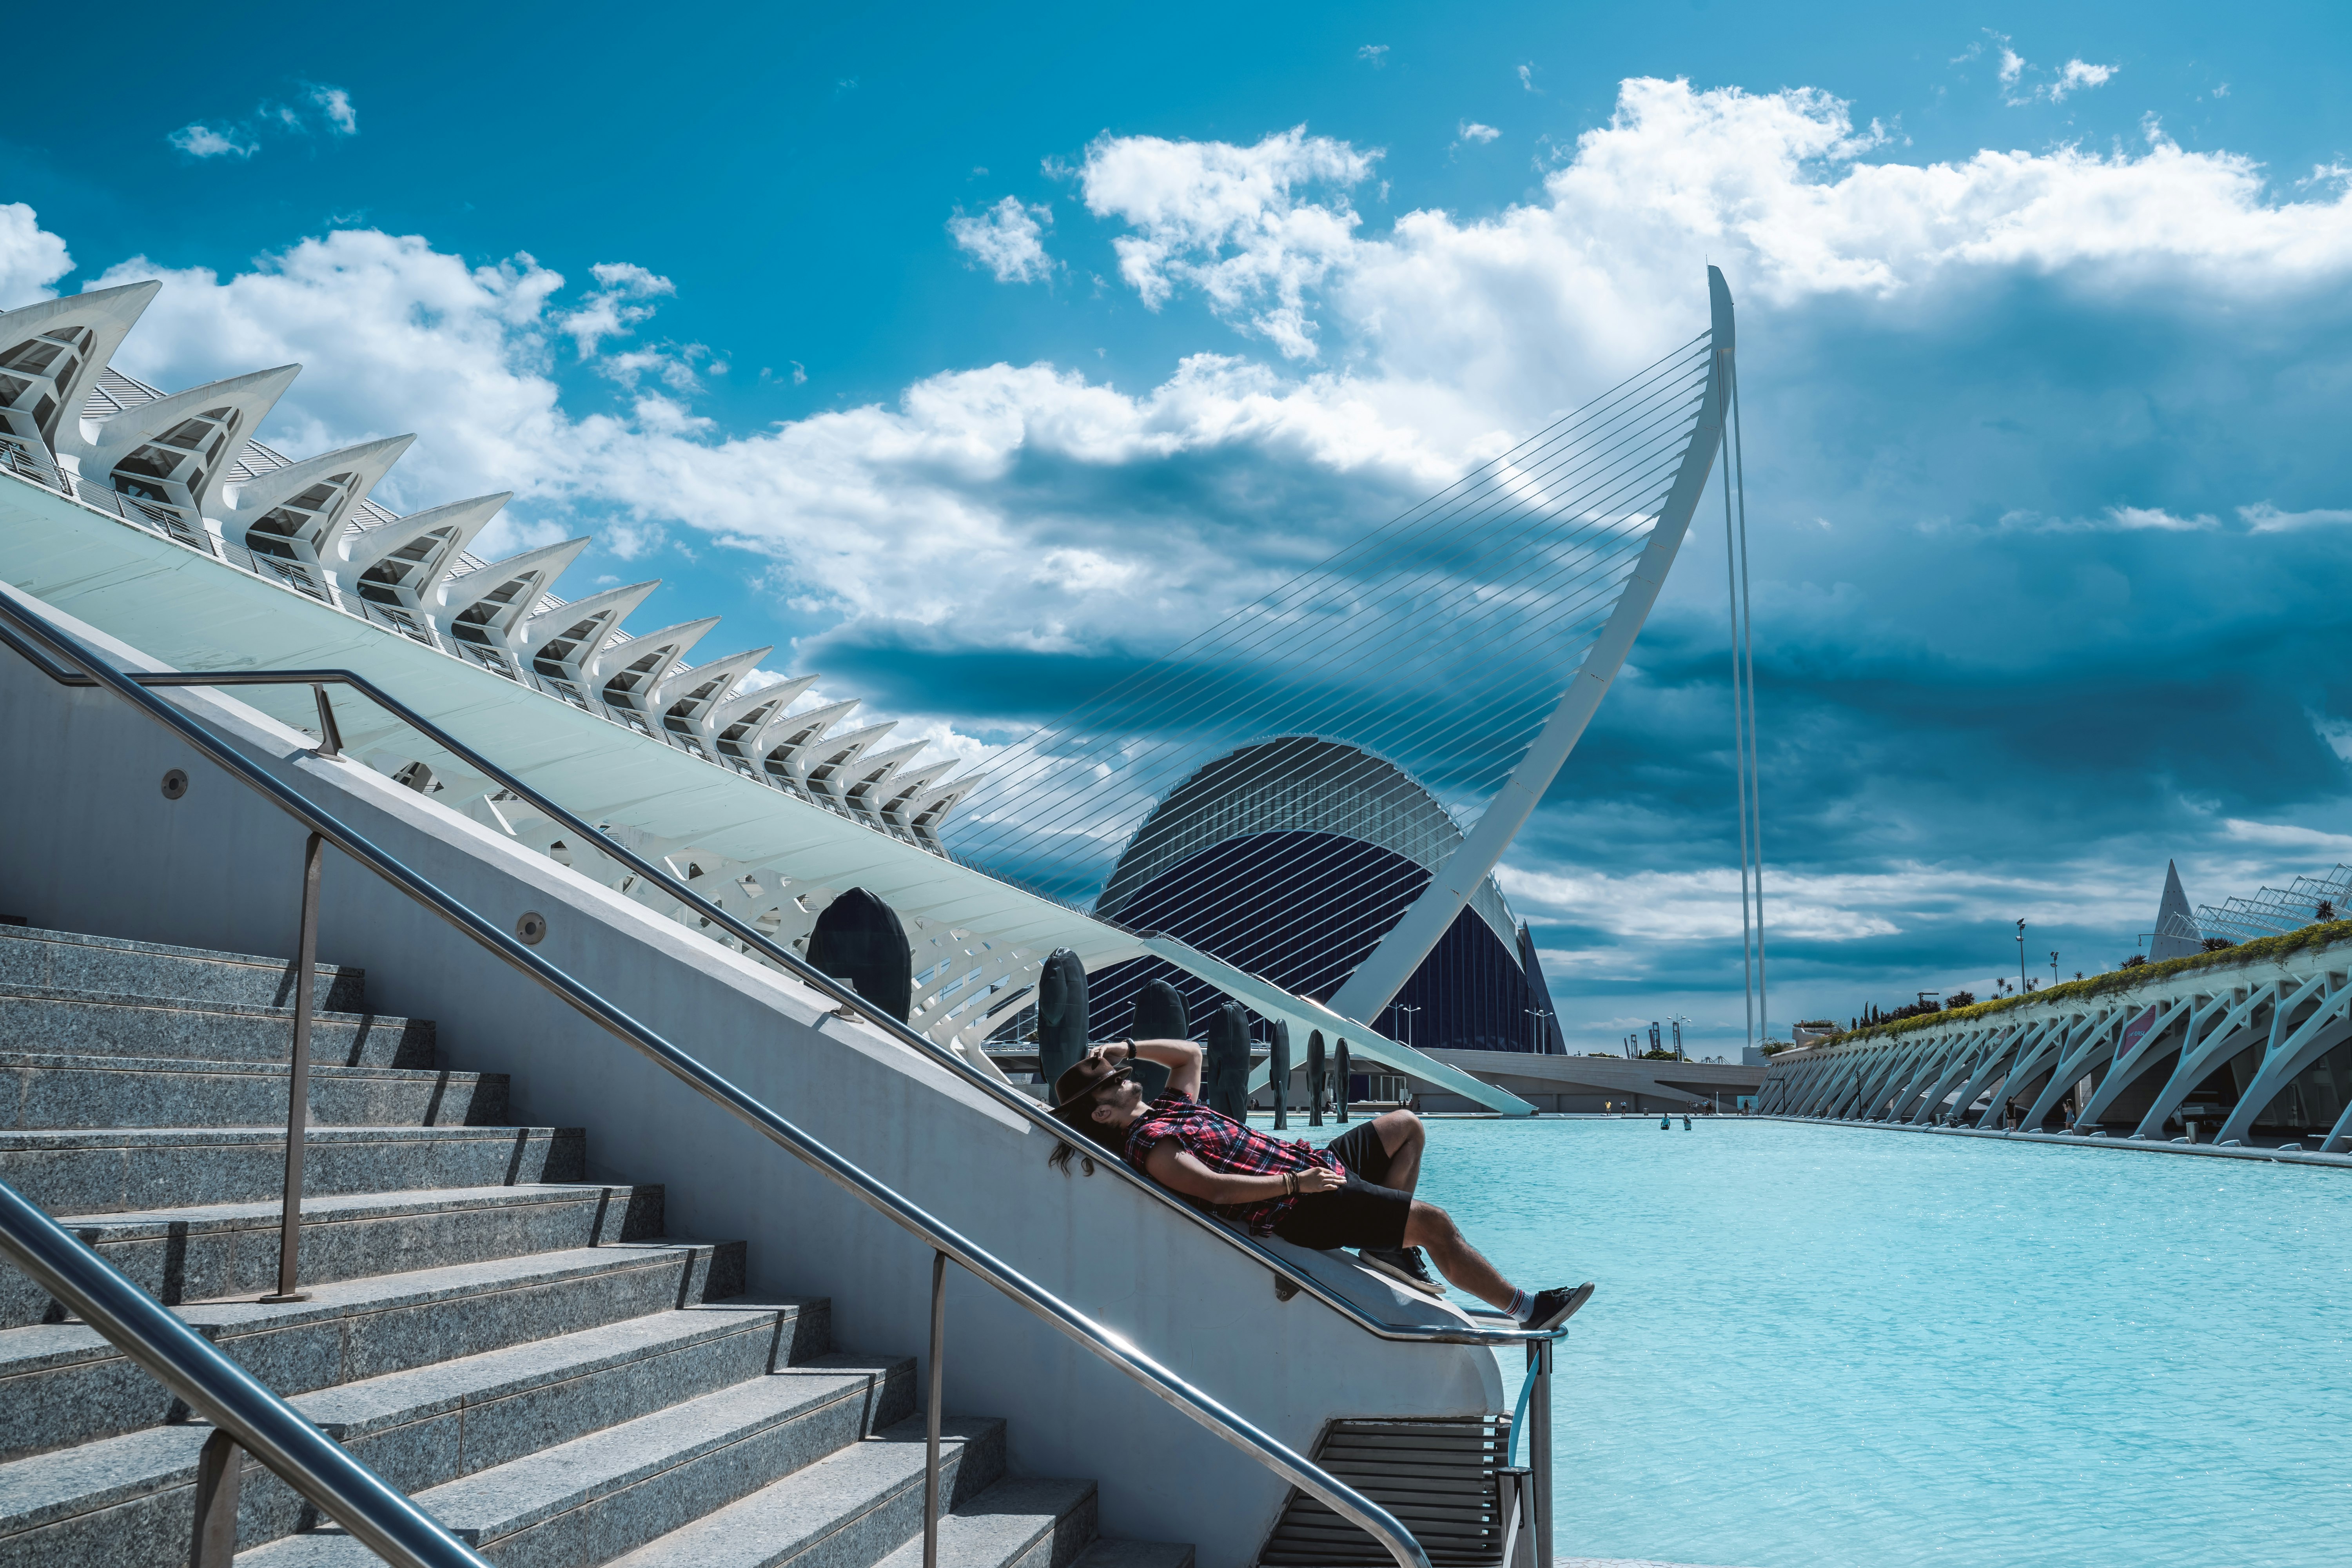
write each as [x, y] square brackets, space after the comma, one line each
[1291, 858]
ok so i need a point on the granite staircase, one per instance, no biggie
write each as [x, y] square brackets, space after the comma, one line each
[527, 1353]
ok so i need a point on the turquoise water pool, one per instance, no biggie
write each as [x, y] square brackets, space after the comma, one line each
[1818, 1347]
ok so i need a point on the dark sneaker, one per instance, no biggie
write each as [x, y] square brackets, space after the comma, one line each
[1554, 1308]
[1403, 1264]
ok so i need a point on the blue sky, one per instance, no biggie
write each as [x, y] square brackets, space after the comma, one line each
[969, 353]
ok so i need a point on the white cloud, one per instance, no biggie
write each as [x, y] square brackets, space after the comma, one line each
[204, 141]
[2336, 734]
[332, 105]
[1527, 77]
[1229, 221]
[1007, 239]
[1378, 54]
[1703, 905]
[31, 257]
[933, 510]
[335, 103]
[1471, 131]
[893, 514]
[2137, 518]
[2309, 841]
[2076, 74]
[616, 309]
[2265, 517]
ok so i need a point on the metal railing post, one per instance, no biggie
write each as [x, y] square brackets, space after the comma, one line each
[213, 1542]
[297, 1081]
[1513, 1499]
[330, 737]
[931, 1414]
[1539, 1447]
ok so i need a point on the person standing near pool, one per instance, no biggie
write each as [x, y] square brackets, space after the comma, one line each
[1356, 1192]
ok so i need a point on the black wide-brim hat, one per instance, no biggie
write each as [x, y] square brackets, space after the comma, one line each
[1082, 1078]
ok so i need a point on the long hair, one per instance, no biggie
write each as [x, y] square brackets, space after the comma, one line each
[1080, 1118]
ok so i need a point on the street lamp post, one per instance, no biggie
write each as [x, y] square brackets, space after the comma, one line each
[2054, 966]
[1408, 1013]
[1534, 1031]
[2021, 956]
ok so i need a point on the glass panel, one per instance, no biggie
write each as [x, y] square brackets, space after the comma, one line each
[33, 357]
[154, 462]
[187, 435]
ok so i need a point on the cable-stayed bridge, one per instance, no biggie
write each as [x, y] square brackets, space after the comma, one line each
[1464, 645]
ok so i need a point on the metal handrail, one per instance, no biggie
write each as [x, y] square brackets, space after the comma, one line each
[809, 975]
[218, 1402]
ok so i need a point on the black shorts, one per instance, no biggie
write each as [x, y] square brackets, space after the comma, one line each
[1361, 1213]
[1358, 1214]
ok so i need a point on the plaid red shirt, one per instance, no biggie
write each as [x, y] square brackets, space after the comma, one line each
[1228, 1147]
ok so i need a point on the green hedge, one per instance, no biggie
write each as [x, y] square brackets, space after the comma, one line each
[2321, 934]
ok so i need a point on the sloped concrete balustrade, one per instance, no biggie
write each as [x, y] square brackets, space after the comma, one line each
[523, 1349]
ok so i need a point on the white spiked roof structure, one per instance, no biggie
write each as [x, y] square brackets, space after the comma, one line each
[628, 672]
[400, 559]
[54, 355]
[295, 510]
[567, 636]
[185, 464]
[177, 450]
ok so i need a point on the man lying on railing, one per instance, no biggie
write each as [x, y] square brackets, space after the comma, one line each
[1356, 1192]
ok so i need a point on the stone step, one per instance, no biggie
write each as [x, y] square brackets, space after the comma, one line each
[62, 1383]
[1022, 1521]
[231, 1249]
[130, 1499]
[1137, 1554]
[1026, 1522]
[30, 955]
[598, 1497]
[96, 1023]
[41, 1089]
[115, 1169]
[850, 1512]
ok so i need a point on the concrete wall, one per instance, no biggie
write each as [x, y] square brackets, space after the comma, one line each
[1589, 1084]
[88, 843]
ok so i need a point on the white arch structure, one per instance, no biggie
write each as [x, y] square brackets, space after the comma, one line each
[2273, 1031]
[1456, 882]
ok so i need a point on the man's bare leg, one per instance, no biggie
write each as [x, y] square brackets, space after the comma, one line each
[1432, 1229]
[1402, 1135]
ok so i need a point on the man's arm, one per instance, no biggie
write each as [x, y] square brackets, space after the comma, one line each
[1179, 1170]
[1183, 1060]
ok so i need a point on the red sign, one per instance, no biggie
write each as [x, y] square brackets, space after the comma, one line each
[2135, 1032]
